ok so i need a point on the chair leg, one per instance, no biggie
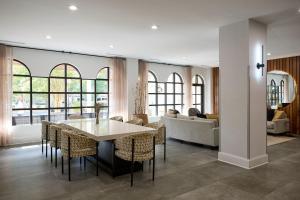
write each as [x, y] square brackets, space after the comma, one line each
[69, 158]
[165, 145]
[42, 146]
[113, 160]
[84, 163]
[46, 141]
[153, 169]
[80, 162]
[62, 165]
[97, 159]
[56, 149]
[51, 154]
[132, 162]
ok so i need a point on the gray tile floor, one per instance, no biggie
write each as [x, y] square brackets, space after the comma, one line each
[191, 172]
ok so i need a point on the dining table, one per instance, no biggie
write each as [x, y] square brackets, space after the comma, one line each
[105, 132]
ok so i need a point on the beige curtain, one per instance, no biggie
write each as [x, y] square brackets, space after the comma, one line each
[188, 88]
[118, 89]
[5, 94]
[143, 85]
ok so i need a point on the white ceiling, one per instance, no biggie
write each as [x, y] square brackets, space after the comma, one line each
[187, 34]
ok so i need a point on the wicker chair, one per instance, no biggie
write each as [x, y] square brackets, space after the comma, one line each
[137, 148]
[117, 118]
[55, 138]
[136, 121]
[160, 136]
[74, 145]
[45, 135]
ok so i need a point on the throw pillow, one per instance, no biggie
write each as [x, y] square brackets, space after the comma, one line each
[279, 115]
[270, 114]
[200, 115]
[212, 116]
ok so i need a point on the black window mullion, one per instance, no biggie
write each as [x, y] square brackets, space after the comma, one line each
[66, 100]
[80, 96]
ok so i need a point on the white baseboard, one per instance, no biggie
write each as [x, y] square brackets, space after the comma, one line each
[243, 162]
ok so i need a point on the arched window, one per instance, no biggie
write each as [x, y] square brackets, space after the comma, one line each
[152, 94]
[65, 92]
[198, 92]
[21, 99]
[281, 92]
[174, 93]
[102, 91]
[58, 96]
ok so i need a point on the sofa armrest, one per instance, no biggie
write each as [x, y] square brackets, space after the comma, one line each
[216, 136]
[281, 125]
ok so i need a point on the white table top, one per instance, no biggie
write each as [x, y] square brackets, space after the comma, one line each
[106, 129]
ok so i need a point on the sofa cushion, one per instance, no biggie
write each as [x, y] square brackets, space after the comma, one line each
[171, 115]
[214, 121]
[173, 111]
[279, 115]
[179, 116]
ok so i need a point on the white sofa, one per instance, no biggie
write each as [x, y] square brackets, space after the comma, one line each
[198, 130]
[278, 126]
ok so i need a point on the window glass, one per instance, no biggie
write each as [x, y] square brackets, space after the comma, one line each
[20, 69]
[39, 84]
[73, 85]
[39, 100]
[58, 71]
[57, 85]
[103, 74]
[21, 84]
[21, 101]
[101, 86]
[88, 85]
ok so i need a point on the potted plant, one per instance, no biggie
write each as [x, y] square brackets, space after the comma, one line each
[140, 102]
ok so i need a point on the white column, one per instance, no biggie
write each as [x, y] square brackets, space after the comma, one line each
[242, 94]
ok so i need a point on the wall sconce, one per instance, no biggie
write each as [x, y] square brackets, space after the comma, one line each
[261, 65]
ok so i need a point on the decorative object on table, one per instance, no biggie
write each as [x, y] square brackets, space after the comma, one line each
[97, 111]
[140, 102]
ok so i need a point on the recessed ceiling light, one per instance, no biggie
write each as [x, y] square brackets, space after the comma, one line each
[48, 37]
[111, 46]
[154, 27]
[268, 54]
[73, 7]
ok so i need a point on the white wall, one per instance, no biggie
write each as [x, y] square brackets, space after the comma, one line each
[42, 62]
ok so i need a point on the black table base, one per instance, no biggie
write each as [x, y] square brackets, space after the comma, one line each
[111, 163]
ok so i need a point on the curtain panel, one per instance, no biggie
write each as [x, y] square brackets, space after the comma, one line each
[188, 89]
[143, 84]
[5, 94]
[118, 89]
